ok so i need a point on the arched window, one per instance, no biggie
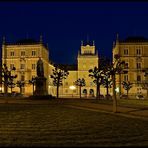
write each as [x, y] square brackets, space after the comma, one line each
[91, 91]
[84, 91]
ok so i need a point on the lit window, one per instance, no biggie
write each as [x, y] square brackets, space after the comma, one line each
[33, 53]
[22, 66]
[11, 66]
[33, 66]
[138, 78]
[125, 51]
[22, 78]
[138, 51]
[126, 65]
[22, 53]
[12, 53]
[138, 65]
[125, 77]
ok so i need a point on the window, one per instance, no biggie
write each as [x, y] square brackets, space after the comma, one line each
[125, 77]
[138, 78]
[22, 78]
[33, 53]
[66, 91]
[22, 66]
[126, 65]
[22, 53]
[12, 53]
[33, 66]
[11, 66]
[138, 65]
[125, 51]
[138, 51]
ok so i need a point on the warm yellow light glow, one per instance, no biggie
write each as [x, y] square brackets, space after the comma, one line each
[72, 87]
[117, 89]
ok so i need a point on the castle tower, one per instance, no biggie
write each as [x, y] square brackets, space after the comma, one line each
[87, 59]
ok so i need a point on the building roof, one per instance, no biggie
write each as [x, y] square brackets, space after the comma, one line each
[135, 39]
[67, 67]
[27, 41]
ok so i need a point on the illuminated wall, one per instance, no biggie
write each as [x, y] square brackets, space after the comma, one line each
[134, 51]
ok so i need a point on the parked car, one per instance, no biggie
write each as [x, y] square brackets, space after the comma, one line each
[101, 97]
[139, 96]
[108, 96]
[123, 96]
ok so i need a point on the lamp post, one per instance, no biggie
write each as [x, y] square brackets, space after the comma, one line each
[72, 87]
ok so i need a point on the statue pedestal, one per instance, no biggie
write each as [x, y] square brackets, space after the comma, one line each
[40, 86]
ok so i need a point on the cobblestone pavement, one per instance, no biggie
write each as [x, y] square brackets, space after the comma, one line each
[129, 111]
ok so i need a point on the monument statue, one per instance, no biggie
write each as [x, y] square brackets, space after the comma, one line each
[40, 68]
[41, 87]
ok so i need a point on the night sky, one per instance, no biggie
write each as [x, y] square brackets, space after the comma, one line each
[64, 24]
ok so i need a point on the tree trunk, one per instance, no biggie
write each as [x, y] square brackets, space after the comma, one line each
[114, 94]
[11, 89]
[57, 91]
[107, 91]
[97, 91]
[80, 91]
[5, 88]
[33, 88]
[119, 84]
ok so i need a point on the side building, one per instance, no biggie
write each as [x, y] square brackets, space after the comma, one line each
[23, 55]
[134, 51]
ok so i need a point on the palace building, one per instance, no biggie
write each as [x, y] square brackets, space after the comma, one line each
[24, 55]
[134, 51]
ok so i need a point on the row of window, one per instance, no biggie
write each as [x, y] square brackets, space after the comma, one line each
[126, 78]
[138, 65]
[138, 52]
[23, 53]
[22, 66]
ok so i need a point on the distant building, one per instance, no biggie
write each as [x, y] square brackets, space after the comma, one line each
[134, 51]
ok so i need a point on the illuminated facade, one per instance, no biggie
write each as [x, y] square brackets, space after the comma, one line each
[134, 51]
[23, 55]
[87, 59]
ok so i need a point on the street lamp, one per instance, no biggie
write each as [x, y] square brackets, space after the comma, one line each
[72, 87]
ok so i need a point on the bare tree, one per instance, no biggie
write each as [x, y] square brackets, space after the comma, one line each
[97, 75]
[58, 76]
[80, 83]
[32, 82]
[8, 78]
[20, 84]
[127, 86]
[114, 68]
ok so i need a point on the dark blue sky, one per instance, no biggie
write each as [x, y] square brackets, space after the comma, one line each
[64, 24]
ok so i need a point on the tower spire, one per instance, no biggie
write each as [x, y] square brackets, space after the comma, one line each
[41, 38]
[87, 38]
[4, 39]
[93, 43]
[117, 37]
